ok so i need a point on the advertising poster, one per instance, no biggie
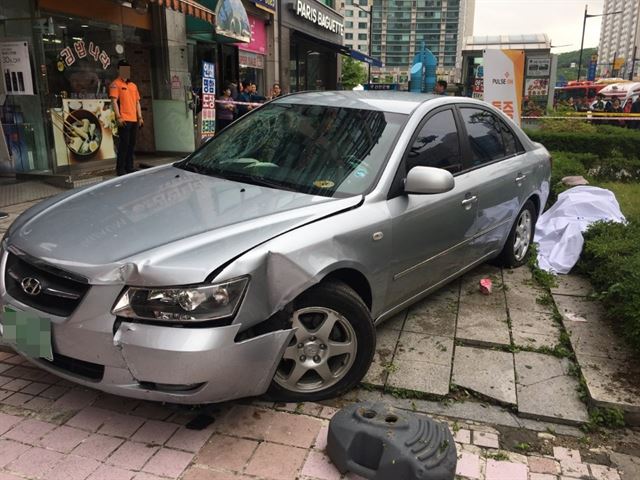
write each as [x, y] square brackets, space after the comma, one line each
[16, 69]
[208, 128]
[232, 21]
[538, 66]
[258, 43]
[503, 80]
[83, 131]
[536, 87]
[478, 88]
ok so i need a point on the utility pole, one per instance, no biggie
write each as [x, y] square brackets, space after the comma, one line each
[370, 37]
[584, 25]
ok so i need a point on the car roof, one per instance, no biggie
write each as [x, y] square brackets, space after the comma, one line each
[387, 101]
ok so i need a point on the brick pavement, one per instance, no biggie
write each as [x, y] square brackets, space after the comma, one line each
[51, 429]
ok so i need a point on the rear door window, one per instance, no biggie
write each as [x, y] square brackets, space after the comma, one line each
[484, 131]
[437, 144]
[512, 145]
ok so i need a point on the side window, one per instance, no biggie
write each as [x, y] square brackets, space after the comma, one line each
[437, 144]
[485, 135]
[512, 145]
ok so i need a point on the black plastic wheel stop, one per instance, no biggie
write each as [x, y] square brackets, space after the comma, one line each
[380, 442]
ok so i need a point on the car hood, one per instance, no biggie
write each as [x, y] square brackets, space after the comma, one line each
[154, 217]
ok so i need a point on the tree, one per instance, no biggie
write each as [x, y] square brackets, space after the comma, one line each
[353, 73]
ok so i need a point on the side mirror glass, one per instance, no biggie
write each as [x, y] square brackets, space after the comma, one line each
[428, 180]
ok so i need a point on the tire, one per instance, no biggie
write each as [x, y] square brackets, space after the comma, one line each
[518, 246]
[332, 348]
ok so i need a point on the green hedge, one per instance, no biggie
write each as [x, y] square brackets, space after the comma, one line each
[602, 143]
[611, 259]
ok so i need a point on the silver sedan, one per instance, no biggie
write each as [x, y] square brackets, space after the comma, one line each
[263, 261]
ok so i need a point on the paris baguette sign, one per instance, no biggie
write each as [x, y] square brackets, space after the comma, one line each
[313, 14]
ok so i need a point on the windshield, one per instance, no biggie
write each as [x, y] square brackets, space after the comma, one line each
[311, 149]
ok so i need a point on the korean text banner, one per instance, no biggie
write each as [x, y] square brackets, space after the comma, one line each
[503, 80]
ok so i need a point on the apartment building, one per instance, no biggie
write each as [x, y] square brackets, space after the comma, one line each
[619, 34]
[400, 27]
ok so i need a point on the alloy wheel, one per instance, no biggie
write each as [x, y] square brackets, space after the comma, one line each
[321, 352]
[523, 235]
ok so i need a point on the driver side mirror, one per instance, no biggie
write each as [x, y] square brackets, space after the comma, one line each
[428, 180]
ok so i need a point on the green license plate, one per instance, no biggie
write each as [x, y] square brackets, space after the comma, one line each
[29, 333]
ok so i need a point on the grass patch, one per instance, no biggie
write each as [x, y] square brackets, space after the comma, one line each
[628, 196]
[599, 418]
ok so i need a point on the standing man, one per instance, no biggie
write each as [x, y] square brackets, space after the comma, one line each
[441, 87]
[125, 101]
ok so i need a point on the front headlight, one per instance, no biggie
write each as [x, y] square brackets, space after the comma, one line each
[182, 304]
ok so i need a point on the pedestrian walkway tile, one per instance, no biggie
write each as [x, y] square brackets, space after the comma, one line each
[487, 372]
[545, 389]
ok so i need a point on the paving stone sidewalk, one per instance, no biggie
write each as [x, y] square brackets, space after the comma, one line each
[610, 370]
[499, 346]
[51, 429]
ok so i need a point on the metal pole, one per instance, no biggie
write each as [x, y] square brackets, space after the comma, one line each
[370, 38]
[584, 25]
[635, 48]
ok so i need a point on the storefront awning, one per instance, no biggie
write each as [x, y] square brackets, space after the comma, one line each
[374, 62]
[189, 7]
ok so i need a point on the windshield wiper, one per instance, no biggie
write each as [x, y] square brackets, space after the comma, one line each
[192, 167]
[254, 180]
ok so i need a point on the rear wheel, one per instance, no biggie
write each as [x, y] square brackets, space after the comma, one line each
[332, 347]
[516, 251]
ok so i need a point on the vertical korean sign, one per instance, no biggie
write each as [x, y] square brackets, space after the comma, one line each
[503, 80]
[208, 128]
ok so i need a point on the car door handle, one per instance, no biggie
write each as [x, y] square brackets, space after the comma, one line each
[520, 178]
[468, 201]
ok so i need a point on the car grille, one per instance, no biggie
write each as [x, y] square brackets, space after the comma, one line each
[88, 370]
[60, 292]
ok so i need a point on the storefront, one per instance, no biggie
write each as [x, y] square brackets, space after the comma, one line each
[538, 72]
[239, 45]
[252, 56]
[311, 36]
[61, 121]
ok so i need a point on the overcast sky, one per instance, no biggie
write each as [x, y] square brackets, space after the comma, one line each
[561, 20]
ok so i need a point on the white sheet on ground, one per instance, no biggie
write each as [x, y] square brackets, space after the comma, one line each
[559, 229]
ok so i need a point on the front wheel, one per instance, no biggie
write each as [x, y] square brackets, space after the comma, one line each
[517, 248]
[331, 349]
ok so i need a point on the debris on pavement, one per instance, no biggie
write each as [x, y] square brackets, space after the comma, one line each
[486, 286]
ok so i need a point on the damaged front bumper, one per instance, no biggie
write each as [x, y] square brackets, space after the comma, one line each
[154, 362]
[178, 365]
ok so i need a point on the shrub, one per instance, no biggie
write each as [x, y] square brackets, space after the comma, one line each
[600, 143]
[560, 125]
[611, 258]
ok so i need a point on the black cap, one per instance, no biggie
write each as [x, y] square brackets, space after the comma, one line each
[123, 63]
